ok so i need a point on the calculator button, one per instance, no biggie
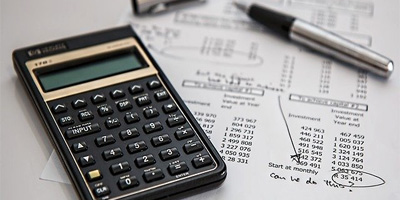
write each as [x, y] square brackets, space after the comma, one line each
[86, 115]
[153, 175]
[120, 168]
[59, 108]
[183, 134]
[82, 130]
[169, 108]
[161, 95]
[174, 121]
[152, 127]
[101, 191]
[129, 133]
[86, 161]
[79, 103]
[145, 160]
[115, 94]
[105, 140]
[135, 89]
[94, 175]
[112, 123]
[202, 161]
[65, 121]
[131, 118]
[112, 154]
[160, 140]
[98, 98]
[79, 147]
[193, 147]
[143, 100]
[127, 183]
[124, 105]
[178, 168]
[168, 154]
[105, 110]
[137, 147]
[150, 113]
[153, 84]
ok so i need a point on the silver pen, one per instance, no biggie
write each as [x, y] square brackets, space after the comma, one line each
[319, 39]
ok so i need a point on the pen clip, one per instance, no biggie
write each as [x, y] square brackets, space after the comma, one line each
[142, 7]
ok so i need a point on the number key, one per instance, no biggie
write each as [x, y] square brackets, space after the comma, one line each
[152, 127]
[129, 133]
[105, 140]
[112, 154]
[168, 154]
[127, 183]
[120, 168]
[161, 140]
[145, 160]
[137, 147]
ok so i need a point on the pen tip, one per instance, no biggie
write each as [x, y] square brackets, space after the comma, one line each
[241, 6]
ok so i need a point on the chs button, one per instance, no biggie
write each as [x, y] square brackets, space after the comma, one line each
[127, 183]
[98, 98]
[79, 103]
[59, 108]
[112, 123]
[101, 191]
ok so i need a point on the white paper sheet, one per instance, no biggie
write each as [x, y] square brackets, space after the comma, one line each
[288, 123]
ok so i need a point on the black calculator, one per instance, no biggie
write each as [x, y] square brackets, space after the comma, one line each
[120, 128]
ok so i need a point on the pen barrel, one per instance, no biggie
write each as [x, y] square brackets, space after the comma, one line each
[340, 48]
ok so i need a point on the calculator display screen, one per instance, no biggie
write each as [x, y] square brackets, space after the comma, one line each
[90, 71]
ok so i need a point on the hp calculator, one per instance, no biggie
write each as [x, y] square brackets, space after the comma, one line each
[120, 128]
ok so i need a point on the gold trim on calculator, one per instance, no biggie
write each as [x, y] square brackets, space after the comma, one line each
[118, 45]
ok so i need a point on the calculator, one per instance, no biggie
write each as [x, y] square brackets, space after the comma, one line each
[119, 127]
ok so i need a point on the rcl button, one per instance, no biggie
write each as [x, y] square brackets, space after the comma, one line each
[101, 191]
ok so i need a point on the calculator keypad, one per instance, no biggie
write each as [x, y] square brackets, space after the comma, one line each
[129, 137]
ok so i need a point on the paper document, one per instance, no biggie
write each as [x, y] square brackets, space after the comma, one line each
[288, 122]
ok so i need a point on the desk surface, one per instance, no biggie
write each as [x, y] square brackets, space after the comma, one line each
[24, 145]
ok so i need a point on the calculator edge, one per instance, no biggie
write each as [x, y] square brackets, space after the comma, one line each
[20, 57]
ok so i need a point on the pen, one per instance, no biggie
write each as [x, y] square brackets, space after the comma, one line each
[319, 39]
